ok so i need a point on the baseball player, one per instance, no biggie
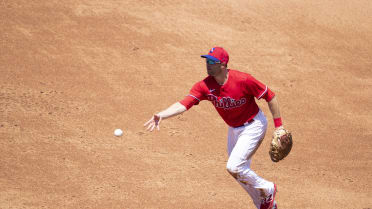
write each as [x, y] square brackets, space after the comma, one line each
[233, 95]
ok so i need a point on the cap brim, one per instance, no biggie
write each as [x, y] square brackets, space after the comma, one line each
[210, 57]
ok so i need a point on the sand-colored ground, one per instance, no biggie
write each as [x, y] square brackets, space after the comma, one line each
[73, 71]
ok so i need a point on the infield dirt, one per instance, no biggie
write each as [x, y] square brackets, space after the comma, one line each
[73, 71]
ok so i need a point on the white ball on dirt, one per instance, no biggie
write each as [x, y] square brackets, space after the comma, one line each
[118, 132]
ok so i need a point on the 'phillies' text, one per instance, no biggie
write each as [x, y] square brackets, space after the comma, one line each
[226, 102]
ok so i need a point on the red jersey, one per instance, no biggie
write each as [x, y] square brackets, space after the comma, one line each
[235, 100]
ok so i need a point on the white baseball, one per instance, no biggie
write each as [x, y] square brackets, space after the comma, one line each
[118, 132]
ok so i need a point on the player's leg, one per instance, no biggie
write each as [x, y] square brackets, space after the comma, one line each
[253, 193]
[239, 167]
[232, 139]
[242, 144]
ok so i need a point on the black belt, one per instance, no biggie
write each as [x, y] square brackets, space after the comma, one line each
[246, 123]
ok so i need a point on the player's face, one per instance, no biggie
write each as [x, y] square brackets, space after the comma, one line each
[213, 68]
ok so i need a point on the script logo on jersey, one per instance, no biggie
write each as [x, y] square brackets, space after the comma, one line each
[226, 102]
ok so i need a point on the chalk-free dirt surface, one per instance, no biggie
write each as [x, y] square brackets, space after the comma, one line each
[72, 71]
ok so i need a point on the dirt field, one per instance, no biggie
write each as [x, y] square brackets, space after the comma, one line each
[72, 71]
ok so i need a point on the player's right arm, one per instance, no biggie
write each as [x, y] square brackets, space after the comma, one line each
[173, 110]
[195, 96]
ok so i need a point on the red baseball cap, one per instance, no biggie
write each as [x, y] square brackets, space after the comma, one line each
[217, 54]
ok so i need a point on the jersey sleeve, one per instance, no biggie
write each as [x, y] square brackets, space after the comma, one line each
[269, 95]
[258, 89]
[194, 97]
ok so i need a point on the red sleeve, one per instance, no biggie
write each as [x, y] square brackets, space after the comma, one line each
[258, 89]
[196, 95]
[269, 95]
[189, 101]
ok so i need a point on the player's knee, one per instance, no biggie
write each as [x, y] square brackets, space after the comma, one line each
[233, 169]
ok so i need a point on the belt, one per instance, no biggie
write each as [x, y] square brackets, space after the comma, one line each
[246, 123]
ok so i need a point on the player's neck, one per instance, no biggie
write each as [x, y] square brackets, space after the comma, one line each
[222, 77]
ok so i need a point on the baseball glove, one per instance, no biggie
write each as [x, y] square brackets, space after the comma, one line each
[281, 144]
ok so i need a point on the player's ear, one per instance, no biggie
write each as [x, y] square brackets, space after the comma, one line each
[224, 65]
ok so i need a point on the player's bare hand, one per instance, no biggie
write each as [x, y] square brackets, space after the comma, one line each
[153, 123]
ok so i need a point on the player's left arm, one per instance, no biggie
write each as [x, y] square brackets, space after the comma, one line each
[261, 91]
[274, 109]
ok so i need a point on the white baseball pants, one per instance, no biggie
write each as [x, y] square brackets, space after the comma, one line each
[242, 144]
